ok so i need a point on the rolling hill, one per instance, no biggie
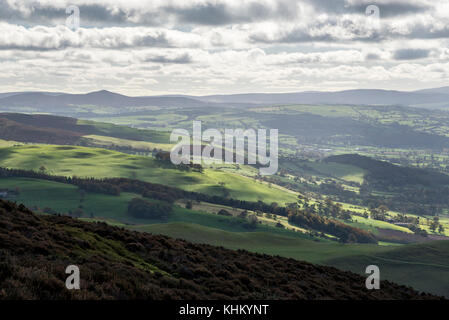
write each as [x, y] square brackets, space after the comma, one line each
[84, 162]
[423, 266]
[45, 101]
[392, 175]
[116, 263]
[49, 129]
[12, 130]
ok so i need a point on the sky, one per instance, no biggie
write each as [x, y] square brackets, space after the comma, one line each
[201, 47]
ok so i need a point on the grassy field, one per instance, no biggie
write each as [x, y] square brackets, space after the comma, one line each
[127, 132]
[5, 144]
[262, 242]
[101, 163]
[423, 266]
[113, 209]
[64, 197]
[127, 143]
[372, 225]
[409, 264]
[341, 171]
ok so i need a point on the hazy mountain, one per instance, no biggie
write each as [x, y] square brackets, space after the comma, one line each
[44, 101]
[360, 97]
[99, 98]
[442, 90]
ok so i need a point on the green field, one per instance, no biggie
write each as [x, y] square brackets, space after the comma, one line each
[423, 266]
[371, 225]
[127, 132]
[127, 143]
[341, 171]
[262, 242]
[64, 197]
[227, 232]
[101, 163]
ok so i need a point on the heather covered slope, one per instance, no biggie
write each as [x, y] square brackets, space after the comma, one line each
[120, 264]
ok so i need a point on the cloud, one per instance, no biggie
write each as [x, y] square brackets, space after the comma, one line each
[40, 38]
[411, 54]
[207, 46]
[153, 13]
[179, 59]
[388, 9]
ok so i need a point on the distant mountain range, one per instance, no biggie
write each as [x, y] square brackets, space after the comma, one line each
[352, 97]
[50, 101]
[98, 98]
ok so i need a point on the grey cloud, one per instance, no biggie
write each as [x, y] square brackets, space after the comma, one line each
[221, 14]
[411, 54]
[98, 14]
[54, 38]
[372, 57]
[206, 14]
[303, 35]
[181, 59]
[90, 15]
[390, 9]
[297, 36]
[420, 31]
[159, 40]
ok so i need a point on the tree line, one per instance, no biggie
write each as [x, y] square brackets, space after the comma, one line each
[114, 186]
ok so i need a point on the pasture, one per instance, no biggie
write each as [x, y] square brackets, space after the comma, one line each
[102, 163]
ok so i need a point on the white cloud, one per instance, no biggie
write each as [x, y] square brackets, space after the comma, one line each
[207, 46]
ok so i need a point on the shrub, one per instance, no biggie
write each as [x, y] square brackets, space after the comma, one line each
[224, 212]
[139, 208]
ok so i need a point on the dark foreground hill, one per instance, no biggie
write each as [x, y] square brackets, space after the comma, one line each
[119, 264]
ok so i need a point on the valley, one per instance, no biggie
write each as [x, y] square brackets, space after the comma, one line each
[362, 192]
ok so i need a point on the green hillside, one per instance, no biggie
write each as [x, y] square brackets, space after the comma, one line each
[49, 196]
[262, 242]
[102, 163]
[424, 266]
[120, 264]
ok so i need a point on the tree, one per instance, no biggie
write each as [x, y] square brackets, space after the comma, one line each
[143, 209]
[243, 214]
[280, 225]
[224, 212]
[383, 209]
[434, 224]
